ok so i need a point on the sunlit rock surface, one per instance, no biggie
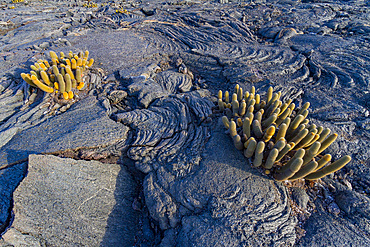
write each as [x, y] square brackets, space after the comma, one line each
[196, 188]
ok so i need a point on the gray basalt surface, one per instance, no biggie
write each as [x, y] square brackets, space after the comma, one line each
[165, 61]
[225, 202]
[66, 202]
[85, 125]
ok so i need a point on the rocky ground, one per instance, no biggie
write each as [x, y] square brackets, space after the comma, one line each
[142, 159]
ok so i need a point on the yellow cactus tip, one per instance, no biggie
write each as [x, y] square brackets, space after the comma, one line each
[70, 95]
[65, 95]
[91, 61]
[80, 86]
[267, 172]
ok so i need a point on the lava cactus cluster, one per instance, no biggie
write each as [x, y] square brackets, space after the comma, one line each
[277, 136]
[62, 77]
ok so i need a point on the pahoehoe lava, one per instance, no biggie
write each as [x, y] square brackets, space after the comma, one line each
[150, 110]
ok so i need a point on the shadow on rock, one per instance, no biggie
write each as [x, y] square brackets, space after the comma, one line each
[122, 224]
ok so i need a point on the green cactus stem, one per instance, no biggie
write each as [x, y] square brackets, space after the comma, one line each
[239, 122]
[256, 128]
[236, 88]
[257, 98]
[250, 148]
[317, 136]
[61, 83]
[302, 134]
[69, 72]
[307, 139]
[247, 127]
[243, 108]
[311, 152]
[269, 94]
[45, 78]
[240, 94]
[319, 130]
[272, 107]
[284, 106]
[219, 95]
[283, 116]
[293, 134]
[253, 90]
[227, 97]
[271, 158]
[258, 115]
[312, 127]
[235, 105]
[304, 171]
[275, 97]
[285, 150]
[232, 128]
[226, 122]
[41, 85]
[238, 142]
[296, 122]
[282, 131]
[269, 133]
[326, 143]
[258, 155]
[304, 107]
[292, 169]
[266, 123]
[78, 75]
[333, 167]
[298, 155]
[27, 78]
[221, 105]
[234, 97]
[280, 144]
[323, 161]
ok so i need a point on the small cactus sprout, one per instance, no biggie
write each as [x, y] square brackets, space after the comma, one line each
[64, 77]
[277, 136]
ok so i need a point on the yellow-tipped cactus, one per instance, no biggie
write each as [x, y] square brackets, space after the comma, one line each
[269, 133]
[257, 129]
[45, 78]
[27, 78]
[258, 156]
[282, 131]
[226, 122]
[293, 168]
[246, 127]
[277, 136]
[63, 78]
[41, 85]
[333, 167]
[238, 142]
[227, 97]
[90, 63]
[250, 148]
[271, 158]
[305, 170]
[232, 128]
